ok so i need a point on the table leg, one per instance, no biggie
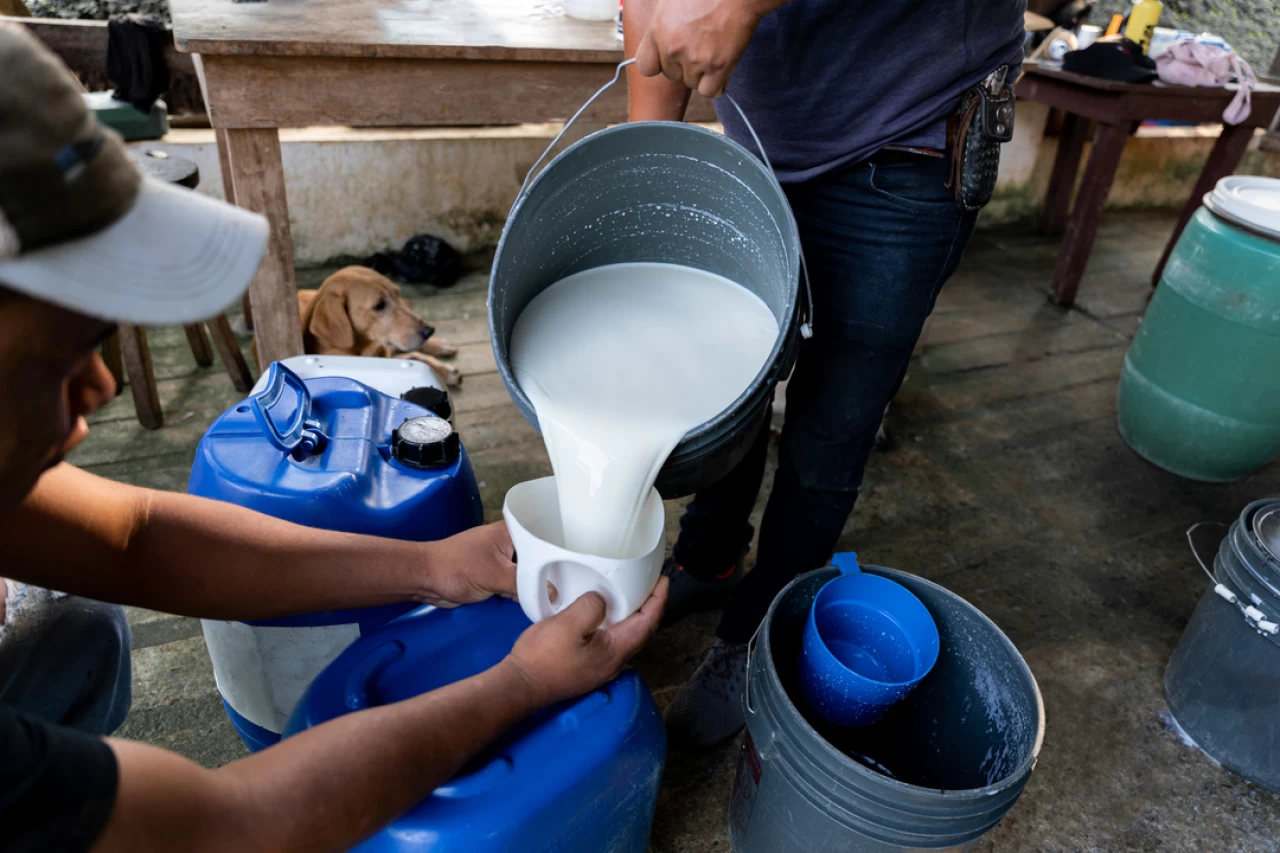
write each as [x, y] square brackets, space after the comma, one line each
[142, 379]
[199, 344]
[1099, 172]
[1066, 165]
[114, 361]
[229, 193]
[258, 177]
[1222, 161]
[229, 351]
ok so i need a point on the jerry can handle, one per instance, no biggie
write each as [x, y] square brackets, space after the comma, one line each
[298, 433]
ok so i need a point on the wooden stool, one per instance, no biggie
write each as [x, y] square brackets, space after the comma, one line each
[126, 352]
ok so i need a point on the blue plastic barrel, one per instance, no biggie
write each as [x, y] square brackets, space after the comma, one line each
[325, 453]
[580, 776]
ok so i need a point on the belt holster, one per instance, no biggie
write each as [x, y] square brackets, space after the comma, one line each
[975, 132]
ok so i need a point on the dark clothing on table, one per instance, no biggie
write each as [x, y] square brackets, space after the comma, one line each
[881, 238]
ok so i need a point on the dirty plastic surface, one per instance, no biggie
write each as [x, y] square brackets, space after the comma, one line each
[953, 756]
[581, 775]
[1220, 681]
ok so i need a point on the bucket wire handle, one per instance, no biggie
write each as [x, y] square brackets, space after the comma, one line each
[1195, 553]
[1254, 617]
[751, 650]
[806, 328]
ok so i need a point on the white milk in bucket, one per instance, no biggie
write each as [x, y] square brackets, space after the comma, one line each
[620, 361]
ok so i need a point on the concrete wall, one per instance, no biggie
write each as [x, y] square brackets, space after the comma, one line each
[353, 192]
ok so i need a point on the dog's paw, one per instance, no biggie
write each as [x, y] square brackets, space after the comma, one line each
[452, 376]
[441, 348]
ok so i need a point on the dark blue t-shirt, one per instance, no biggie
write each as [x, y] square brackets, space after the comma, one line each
[830, 82]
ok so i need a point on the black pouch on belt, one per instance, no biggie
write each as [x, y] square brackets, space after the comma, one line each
[975, 132]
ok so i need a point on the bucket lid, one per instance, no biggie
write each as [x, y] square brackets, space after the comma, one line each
[1251, 200]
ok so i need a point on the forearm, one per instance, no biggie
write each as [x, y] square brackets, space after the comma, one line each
[81, 534]
[324, 789]
[648, 98]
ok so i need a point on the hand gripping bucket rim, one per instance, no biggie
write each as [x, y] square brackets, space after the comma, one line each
[885, 813]
[747, 413]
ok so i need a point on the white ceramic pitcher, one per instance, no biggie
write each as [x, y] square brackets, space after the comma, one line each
[532, 512]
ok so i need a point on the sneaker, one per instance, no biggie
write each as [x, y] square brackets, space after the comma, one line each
[707, 709]
[688, 594]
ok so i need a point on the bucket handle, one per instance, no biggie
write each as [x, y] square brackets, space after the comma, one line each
[806, 328]
[746, 690]
[1255, 618]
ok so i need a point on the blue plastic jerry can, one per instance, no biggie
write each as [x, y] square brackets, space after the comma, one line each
[582, 775]
[336, 454]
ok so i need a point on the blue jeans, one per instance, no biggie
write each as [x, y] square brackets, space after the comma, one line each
[881, 237]
[65, 659]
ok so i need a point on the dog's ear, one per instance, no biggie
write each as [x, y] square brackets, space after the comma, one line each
[329, 321]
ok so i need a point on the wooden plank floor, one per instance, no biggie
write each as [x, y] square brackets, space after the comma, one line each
[1008, 483]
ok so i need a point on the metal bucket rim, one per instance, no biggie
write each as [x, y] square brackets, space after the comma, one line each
[829, 753]
[763, 379]
[1260, 565]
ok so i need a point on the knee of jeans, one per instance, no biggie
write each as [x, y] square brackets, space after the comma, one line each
[104, 625]
[102, 634]
[831, 464]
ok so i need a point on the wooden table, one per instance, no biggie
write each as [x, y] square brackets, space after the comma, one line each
[376, 63]
[1117, 108]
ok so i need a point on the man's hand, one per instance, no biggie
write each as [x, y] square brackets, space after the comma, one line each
[471, 566]
[570, 654]
[698, 42]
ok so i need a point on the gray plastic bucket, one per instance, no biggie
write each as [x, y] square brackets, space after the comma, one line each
[665, 192]
[1222, 684]
[961, 746]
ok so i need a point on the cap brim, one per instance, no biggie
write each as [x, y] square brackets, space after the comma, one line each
[175, 257]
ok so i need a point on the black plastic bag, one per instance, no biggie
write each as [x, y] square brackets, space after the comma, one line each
[423, 260]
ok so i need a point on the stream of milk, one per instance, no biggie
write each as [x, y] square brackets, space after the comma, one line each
[620, 362]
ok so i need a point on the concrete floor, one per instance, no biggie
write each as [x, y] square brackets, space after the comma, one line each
[1008, 484]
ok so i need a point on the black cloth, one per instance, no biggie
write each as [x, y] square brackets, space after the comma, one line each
[57, 785]
[423, 260]
[135, 59]
[1112, 58]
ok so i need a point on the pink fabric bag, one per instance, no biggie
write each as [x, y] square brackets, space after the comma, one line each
[1190, 63]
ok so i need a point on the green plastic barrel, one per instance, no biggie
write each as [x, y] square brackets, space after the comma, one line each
[1200, 391]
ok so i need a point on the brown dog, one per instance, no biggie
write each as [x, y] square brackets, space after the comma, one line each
[360, 312]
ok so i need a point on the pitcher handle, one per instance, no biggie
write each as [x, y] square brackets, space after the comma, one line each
[806, 328]
[531, 590]
[846, 562]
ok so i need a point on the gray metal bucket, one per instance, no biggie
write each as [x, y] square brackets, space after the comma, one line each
[1222, 684]
[667, 192]
[961, 746]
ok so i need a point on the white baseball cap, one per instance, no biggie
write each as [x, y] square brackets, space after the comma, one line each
[81, 227]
